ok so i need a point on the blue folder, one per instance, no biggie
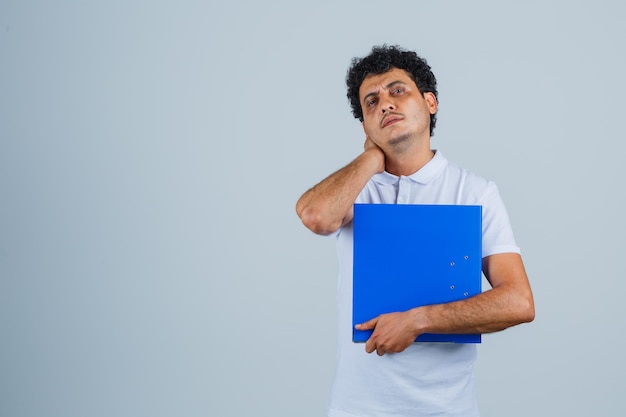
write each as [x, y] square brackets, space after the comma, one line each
[407, 256]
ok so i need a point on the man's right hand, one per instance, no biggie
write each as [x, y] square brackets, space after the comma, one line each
[370, 146]
[328, 206]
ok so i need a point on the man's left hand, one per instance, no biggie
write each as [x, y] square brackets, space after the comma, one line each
[393, 332]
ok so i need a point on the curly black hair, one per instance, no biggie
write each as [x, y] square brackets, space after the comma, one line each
[382, 59]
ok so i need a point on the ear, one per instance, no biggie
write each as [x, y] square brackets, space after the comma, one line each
[363, 126]
[431, 102]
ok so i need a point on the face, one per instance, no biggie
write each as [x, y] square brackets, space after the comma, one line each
[396, 115]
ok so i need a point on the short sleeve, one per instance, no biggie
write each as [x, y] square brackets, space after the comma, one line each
[497, 232]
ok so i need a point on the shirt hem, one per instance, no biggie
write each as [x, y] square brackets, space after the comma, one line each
[337, 413]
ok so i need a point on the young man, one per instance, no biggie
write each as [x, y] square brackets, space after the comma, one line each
[394, 94]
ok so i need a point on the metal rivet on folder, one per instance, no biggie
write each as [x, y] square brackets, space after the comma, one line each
[466, 257]
[466, 293]
[451, 287]
[451, 263]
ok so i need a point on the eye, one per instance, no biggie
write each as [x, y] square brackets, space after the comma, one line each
[371, 102]
[397, 90]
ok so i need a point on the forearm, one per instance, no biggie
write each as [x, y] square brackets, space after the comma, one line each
[508, 303]
[328, 205]
[490, 311]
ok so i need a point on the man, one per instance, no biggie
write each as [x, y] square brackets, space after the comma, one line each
[394, 94]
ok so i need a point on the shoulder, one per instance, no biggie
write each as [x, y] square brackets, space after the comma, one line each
[470, 187]
[465, 174]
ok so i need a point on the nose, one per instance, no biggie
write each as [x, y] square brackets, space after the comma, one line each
[387, 106]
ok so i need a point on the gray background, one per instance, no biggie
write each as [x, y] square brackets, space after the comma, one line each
[151, 154]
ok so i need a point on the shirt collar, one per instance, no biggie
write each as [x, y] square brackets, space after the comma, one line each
[423, 176]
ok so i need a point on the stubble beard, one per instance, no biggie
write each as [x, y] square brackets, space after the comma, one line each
[400, 143]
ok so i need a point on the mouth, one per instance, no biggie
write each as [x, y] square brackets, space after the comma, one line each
[389, 119]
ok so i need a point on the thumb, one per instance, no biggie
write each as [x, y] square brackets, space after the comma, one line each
[368, 325]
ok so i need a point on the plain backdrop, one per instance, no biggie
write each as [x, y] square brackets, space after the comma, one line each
[151, 154]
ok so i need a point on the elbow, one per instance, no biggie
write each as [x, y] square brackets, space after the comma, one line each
[527, 315]
[315, 221]
[530, 312]
[526, 309]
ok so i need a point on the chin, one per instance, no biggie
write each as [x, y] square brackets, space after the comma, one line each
[399, 140]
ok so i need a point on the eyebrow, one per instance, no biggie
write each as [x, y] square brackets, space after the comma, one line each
[387, 87]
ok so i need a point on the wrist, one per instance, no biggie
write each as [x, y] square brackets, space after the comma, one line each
[420, 320]
[377, 158]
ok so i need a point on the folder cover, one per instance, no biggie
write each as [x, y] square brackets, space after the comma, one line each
[408, 255]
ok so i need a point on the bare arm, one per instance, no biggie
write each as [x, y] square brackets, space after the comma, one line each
[328, 205]
[508, 303]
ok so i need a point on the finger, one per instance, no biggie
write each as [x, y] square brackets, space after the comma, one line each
[368, 325]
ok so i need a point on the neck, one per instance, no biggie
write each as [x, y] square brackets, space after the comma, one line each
[408, 163]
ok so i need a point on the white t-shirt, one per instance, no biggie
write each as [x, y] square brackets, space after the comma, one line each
[427, 379]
